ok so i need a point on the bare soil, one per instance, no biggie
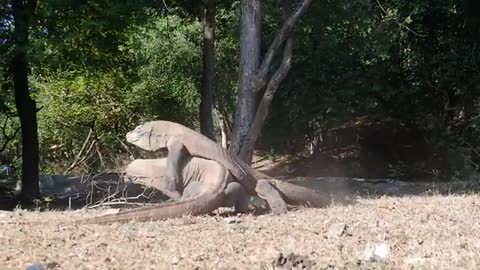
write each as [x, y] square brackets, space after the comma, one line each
[411, 232]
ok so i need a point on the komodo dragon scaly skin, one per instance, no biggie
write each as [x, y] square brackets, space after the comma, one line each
[151, 173]
[182, 142]
[199, 176]
[202, 181]
[196, 202]
[204, 204]
[178, 139]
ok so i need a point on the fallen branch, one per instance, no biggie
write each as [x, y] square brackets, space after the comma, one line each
[125, 146]
[112, 200]
[77, 158]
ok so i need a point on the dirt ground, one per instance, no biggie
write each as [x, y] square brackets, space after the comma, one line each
[416, 232]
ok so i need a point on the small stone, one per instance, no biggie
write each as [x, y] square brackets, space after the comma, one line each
[35, 266]
[337, 230]
[292, 261]
[175, 260]
[376, 252]
[231, 220]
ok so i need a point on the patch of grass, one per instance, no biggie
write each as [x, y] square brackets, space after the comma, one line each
[434, 232]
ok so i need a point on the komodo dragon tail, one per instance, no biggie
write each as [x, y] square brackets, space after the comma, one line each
[299, 195]
[202, 204]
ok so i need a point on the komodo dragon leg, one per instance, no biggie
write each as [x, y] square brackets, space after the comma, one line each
[154, 178]
[235, 195]
[176, 153]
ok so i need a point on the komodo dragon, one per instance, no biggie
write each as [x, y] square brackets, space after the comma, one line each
[197, 201]
[201, 177]
[182, 142]
[151, 173]
[206, 187]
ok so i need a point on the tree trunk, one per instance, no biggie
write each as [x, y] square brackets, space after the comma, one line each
[263, 108]
[208, 76]
[250, 28]
[23, 11]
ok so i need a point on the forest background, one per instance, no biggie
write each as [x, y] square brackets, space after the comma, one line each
[379, 89]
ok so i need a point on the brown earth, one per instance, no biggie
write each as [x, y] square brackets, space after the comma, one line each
[418, 232]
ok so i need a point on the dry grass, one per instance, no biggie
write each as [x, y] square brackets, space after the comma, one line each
[434, 232]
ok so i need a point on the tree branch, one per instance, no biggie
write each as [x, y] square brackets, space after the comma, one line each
[77, 159]
[261, 76]
[8, 139]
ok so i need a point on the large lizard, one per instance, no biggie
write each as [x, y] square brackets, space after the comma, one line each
[151, 173]
[182, 142]
[199, 176]
[199, 191]
[206, 186]
[196, 200]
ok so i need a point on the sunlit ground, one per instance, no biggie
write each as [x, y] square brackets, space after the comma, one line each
[437, 232]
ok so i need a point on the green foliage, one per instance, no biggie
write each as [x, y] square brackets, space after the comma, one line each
[8, 122]
[72, 34]
[107, 65]
[413, 61]
[167, 57]
[153, 74]
[227, 55]
[72, 104]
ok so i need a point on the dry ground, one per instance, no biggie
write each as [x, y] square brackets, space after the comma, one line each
[435, 232]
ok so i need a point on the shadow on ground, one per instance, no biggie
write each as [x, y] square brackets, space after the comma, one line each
[73, 192]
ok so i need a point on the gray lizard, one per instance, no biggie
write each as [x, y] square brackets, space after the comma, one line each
[183, 142]
[206, 186]
[199, 176]
[195, 200]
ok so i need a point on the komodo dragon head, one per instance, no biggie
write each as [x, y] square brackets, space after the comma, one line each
[148, 136]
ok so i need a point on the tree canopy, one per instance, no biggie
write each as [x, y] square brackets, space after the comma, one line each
[381, 75]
